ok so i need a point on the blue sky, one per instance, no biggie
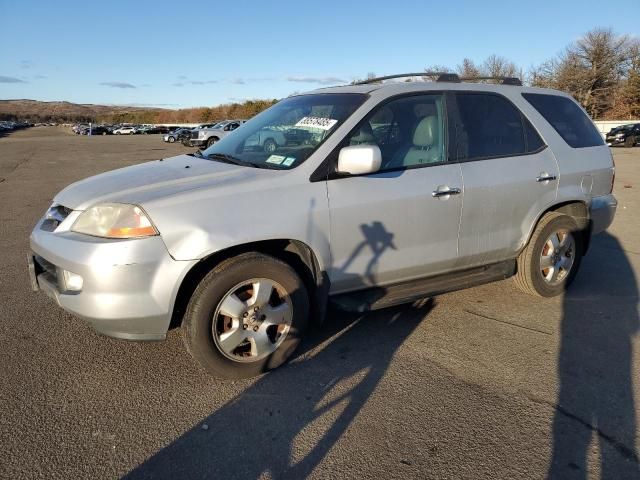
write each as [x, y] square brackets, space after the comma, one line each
[182, 54]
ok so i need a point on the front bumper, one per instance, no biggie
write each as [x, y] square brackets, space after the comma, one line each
[612, 141]
[129, 286]
[196, 142]
[601, 212]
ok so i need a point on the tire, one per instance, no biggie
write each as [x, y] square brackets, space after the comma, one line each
[171, 139]
[117, 133]
[211, 141]
[269, 145]
[564, 261]
[630, 142]
[204, 325]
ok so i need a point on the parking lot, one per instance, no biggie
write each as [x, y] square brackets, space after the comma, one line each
[482, 383]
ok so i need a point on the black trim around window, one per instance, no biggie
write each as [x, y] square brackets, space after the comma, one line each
[326, 169]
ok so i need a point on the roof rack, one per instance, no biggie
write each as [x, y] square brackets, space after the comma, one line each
[440, 77]
[503, 80]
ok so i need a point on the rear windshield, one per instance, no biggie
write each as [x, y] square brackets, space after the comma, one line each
[567, 118]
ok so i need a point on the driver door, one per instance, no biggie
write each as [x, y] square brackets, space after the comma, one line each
[401, 222]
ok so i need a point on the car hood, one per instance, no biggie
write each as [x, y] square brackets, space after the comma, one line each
[160, 178]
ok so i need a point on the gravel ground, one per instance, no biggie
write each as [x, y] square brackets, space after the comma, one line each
[482, 383]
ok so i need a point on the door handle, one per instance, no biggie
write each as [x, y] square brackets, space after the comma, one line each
[444, 193]
[545, 178]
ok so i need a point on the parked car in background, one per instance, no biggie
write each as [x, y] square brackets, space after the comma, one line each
[175, 135]
[374, 209]
[267, 139]
[95, 130]
[7, 126]
[125, 131]
[627, 135]
[205, 137]
[158, 129]
[79, 127]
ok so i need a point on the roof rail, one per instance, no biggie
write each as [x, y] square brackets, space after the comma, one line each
[440, 77]
[503, 80]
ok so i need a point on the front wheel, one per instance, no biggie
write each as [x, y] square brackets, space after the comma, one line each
[630, 142]
[211, 141]
[270, 145]
[549, 263]
[171, 139]
[247, 316]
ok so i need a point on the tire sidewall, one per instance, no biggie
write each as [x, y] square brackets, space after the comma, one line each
[268, 143]
[198, 321]
[559, 223]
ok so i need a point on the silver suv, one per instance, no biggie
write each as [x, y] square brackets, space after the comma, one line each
[384, 193]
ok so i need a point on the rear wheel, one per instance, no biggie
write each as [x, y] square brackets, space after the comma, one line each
[246, 316]
[549, 263]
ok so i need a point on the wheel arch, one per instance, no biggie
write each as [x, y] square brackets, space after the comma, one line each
[577, 209]
[295, 253]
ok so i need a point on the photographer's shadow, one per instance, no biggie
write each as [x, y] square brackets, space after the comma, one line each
[595, 400]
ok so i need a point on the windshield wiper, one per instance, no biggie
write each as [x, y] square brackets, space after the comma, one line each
[223, 157]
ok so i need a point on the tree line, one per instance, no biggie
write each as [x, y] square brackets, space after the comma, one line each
[244, 110]
[601, 70]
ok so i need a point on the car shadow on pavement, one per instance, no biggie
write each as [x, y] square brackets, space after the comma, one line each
[288, 420]
[595, 399]
[285, 423]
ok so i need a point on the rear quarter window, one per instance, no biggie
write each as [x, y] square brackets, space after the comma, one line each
[567, 118]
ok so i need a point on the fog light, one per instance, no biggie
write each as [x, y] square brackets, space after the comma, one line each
[72, 281]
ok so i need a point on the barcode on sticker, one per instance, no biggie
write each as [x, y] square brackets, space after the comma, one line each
[317, 122]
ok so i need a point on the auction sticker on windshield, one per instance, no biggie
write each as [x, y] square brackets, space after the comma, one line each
[277, 159]
[317, 122]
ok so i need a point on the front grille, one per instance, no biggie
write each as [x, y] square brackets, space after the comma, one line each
[194, 134]
[54, 217]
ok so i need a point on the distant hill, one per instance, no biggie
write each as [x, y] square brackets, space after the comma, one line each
[37, 111]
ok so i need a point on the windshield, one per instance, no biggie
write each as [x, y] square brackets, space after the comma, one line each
[285, 135]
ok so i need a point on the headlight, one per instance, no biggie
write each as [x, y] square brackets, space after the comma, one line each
[114, 220]
[619, 135]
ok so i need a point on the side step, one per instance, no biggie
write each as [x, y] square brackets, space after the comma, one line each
[375, 298]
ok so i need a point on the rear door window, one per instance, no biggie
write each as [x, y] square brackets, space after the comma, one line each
[567, 118]
[489, 125]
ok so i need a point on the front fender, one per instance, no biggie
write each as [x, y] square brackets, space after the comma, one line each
[199, 223]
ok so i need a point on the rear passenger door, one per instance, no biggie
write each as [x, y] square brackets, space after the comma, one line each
[509, 175]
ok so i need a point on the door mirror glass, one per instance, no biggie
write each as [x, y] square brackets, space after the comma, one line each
[359, 159]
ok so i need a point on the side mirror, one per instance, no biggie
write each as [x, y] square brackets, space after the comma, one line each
[359, 159]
